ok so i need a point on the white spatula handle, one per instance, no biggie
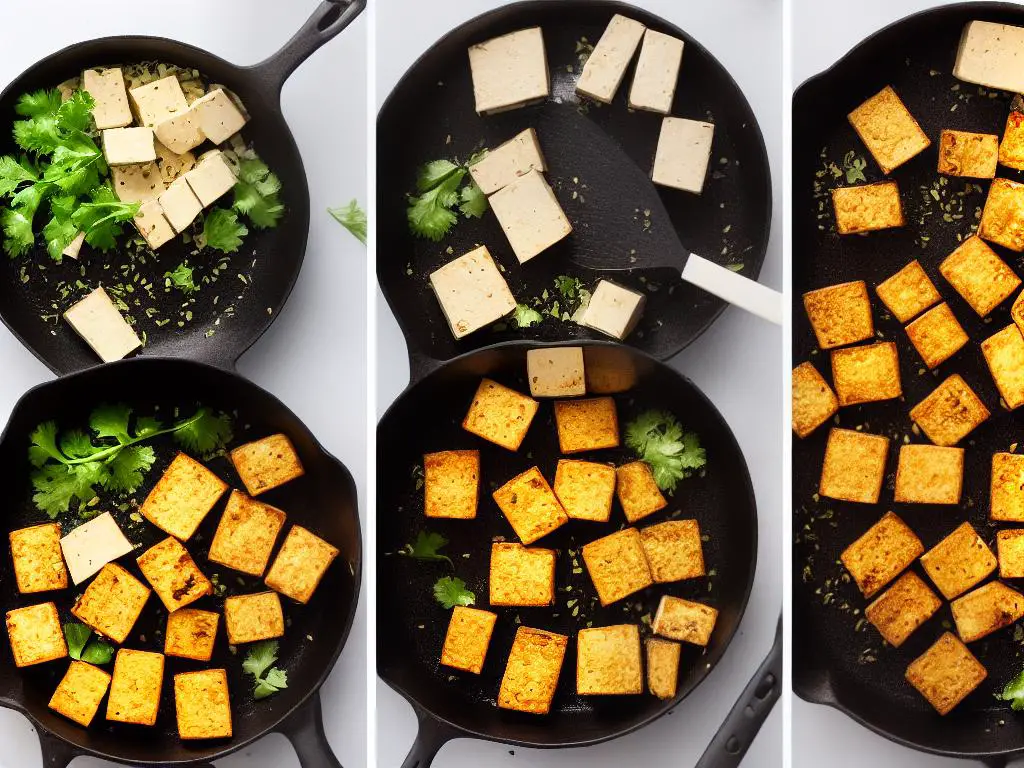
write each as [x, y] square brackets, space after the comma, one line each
[734, 288]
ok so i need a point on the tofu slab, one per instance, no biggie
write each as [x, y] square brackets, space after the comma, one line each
[1006, 495]
[154, 227]
[92, 545]
[506, 163]
[1004, 355]
[617, 565]
[112, 602]
[472, 292]
[521, 576]
[191, 634]
[128, 146]
[902, 608]
[182, 497]
[950, 412]
[684, 620]
[909, 292]
[38, 563]
[1002, 219]
[556, 372]
[937, 335]
[607, 64]
[946, 673]
[1011, 147]
[158, 100]
[867, 207]
[813, 400]
[202, 704]
[992, 55]
[35, 634]
[80, 692]
[246, 534]
[180, 205]
[987, 609]
[683, 154]
[866, 373]
[468, 638]
[173, 574]
[250, 618]
[211, 179]
[1010, 551]
[135, 687]
[300, 564]
[657, 72]
[102, 327]
[451, 484]
[973, 155]
[662, 667]
[266, 464]
[608, 661]
[959, 562]
[530, 215]
[532, 671]
[107, 88]
[530, 506]
[137, 183]
[929, 474]
[585, 489]
[854, 466]
[173, 165]
[978, 274]
[840, 314]
[638, 491]
[180, 132]
[509, 71]
[589, 424]
[888, 130]
[614, 310]
[218, 116]
[881, 554]
[500, 415]
[673, 550]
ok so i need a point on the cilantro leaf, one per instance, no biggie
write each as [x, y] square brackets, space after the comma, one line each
[525, 316]
[58, 235]
[76, 444]
[429, 214]
[473, 201]
[205, 433]
[76, 635]
[111, 420]
[43, 444]
[223, 231]
[427, 546]
[277, 678]
[38, 103]
[658, 439]
[76, 164]
[260, 657]
[127, 470]
[37, 135]
[16, 221]
[75, 114]
[451, 591]
[1013, 692]
[57, 486]
[433, 173]
[182, 278]
[14, 173]
[256, 194]
[352, 218]
[98, 652]
[101, 218]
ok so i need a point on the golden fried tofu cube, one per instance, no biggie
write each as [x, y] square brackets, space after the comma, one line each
[112, 602]
[974, 155]
[468, 638]
[556, 372]
[684, 620]
[522, 576]
[946, 673]
[978, 274]
[888, 130]
[881, 554]
[135, 687]
[249, 618]
[814, 402]
[674, 551]
[530, 506]
[451, 484]
[1004, 355]
[246, 534]
[959, 561]
[1011, 148]
[867, 207]
[854, 466]
[840, 314]
[1002, 219]
[191, 634]
[300, 564]
[987, 609]
[1010, 549]
[267, 464]
[35, 634]
[662, 667]
[866, 374]
[1017, 311]
[929, 474]
[38, 562]
[608, 661]
[531, 674]
[184, 495]
[500, 415]
[950, 412]
[909, 292]
[937, 335]
[586, 489]
[587, 425]
[637, 490]
[202, 704]
[617, 565]
[1006, 498]
[173, 574]
[80, 692]
[902, 608]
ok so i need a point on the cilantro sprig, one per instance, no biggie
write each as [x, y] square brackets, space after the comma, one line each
[223, 231]
[257, 194]
[451, 591]
[352, 218]
[439, 184]
[182, 278]
[259, 662]
[427, 546]
[79, 648]
[673, 454]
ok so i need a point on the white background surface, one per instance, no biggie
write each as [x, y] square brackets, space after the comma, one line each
[737, 363]
[314, 355]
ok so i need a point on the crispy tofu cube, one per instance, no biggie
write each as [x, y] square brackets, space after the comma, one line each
[191, 634]
[1002, 220]
[556, 371]
[614, 311]
[657, 71]
[867, 373]
[102, 327]
[909, 292]
[937, 335]
[106, 86]
[530, 506]
[472, 292]
[137, 183]
[300, 564]
[814, 402]
[180, 132]
[958, 562]
[1017, 311]
[158, 100]
[509, 71]
[112, 602]
[219, 116]
[983, 279]
[950, 412]
[637, 490]
[888, 130]
[530, 215]
[684, 620]
[662, 667]
[211, 179]
[35, 634]
[451, 484]
[507, 162]
[467, 639]
[173, 574]
[587, 425]
[1011, 148]
[182, 497]
[1004, 355]
[531, 674]
[608, 661]
[1006, 497]
[881, 554]
[521, 575]
[92, 545]
[585, 489]
[673, 550]
[929, 474]
[985, 610]
[128, 146]
[135, 687]
[683, 154]
[610, 369]
[180, 205]
[202, 704]
[80, 692]
[867, 207]
[608, 62]
[974, 155]
[902, 608]
[617, 565]
[154, 227]
[946, 673]
[500, 415]
[854, 466]
[249, 618]
[267, 463]
[840, 314]
[38, 563]
[246, 534]
[1010, 549]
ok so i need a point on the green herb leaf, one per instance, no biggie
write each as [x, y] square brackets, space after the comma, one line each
[433, 173]
[268, 680]
[451, 591]
[524, 316]
[58, 235]
[182, 278]
[38, 103]
[57, 486]
[352, 218]
[256, 194]
[76, 635]
[473, 201]
[205, 433]
[14, 173]
[430, 215]
[223, 231]
[101, 218]
[1013, 692]
[657, 438]
[427, 546]
[98, 652]
[127, 470]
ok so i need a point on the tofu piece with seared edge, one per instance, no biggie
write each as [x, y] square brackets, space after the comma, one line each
[35, 634]
[673, 550]
[881, 554]
[128, 146]
[451, 484]
[250, 618]
[683, 154]
[1006, 493]
[38, 564]
[608, 62]
[1004, 355]
[521, 576]
[946, 673]
[657, 72]
[80, 692]
[587, 425]
[1011, 148]
[156, 101]
[191, 634]
[617, 565]
[267, 463]
[532, 671]
[509, 71]
[103, 327]
[978, 274]
[854, 466]
[173, 574]
[1002, 219]
[992, 55]
[180, 205]
[530, 215]
[937, 335]
[107, 88]
[959, 562]
[662, 667]
[135, 687]
[507, 162]
[867, 373]
[614, 310]
[556, 371]
[137, 183]
[585, 489]
[902, 608]
[909, 292]
[500, 415]
[180, 132]
[112, 602]
[92, 545]
[929, 474]
[154, 227]
[530, 506]
[1010, 549]
[888, 130]
[867, 207]
[814, 402]
[472, 292]
[202, 704]
[987, 609]
[300, 564]
[467, 639]
[840, 314]
[246, 534]
[608, 661]
[211, 179]
[638, 491]
[218, 116]
[182, 497]
[684, 620]
[950, 412]
[973, 155]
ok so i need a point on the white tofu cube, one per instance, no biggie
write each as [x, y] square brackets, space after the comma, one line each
[556, 371]
[137, 183]
[211, 179]
[528, 211]
[75, 246]
[152, 224]
[992, 55]
[472, 292]
[614, 310]
[219, 117]
[604, 70]
[92, 545]
[684, 151]
[128, 146]
[657, 71]
[97, 321]
[106, 86]
[156, 101]
[171, 164]
[500, 167]
[180, 132]
[509, 71]
[180, 205]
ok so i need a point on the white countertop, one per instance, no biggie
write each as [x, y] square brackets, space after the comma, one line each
[313, 355]
[737, 363]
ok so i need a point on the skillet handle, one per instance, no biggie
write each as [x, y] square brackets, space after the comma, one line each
[304, 728]
[732, 287]
[420, 366]
[431, 736]
[57, 753]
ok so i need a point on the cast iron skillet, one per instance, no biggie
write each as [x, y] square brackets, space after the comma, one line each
[277, 253]
[324, 501]
[916, 57]
[430, 114]
[411, 624]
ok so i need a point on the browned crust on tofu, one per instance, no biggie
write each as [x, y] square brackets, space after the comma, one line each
[112, 602]
[978, 274]
[267, 464]
[135, 687]
[950, 412]
[80, 692]
[888, 130]
[585, 489]
[530, 506]
[973, 155]
[617, 565]
[987, 609]
[929, 474]
[881, 554]
[1010, 549]
[866, 374]
[1011, 148]
[202, 704]
[958, 562]
[608, 661]
[590, 424]
[182, 497]
[451, 484]
[854, 466]
[38, 559]
[673, 550]
[500, 415]
[250, 618]
[937, 335]
[814, 402]
[684, 620]
[909, 292]
[467, 639]
[638, 491]
[246, 534]
[1004, 355]
[35, 634]
[521, 576]
[300, 564]
[1017, 311]
[191, 634]
[1006, 495]
[173, 574]
[867, 208]
[1002, 219]
[531, 674]
[946, 673]
[902, 608]
[662, 667]
[840, 314]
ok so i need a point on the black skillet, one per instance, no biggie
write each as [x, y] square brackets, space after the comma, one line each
[610, 151]
[323, 501]
[278, 253]
[916, 57]
[411, 625]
